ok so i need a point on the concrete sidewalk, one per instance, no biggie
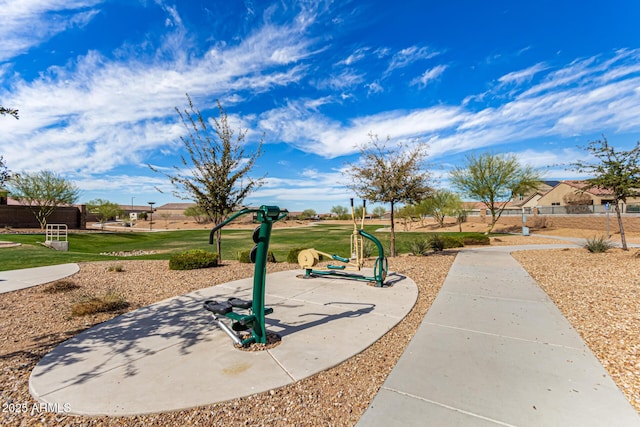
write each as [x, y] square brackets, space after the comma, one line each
[494, 350]
[13, 280]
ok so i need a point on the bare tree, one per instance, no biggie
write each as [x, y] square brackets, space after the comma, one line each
[390, 175]
[215, 171]
[617, 171]
[43, 192]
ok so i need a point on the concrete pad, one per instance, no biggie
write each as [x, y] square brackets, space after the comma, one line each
[169, 356]
[14, 280]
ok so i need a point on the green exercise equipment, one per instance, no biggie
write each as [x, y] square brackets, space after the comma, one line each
[254, 320]
[308, 258]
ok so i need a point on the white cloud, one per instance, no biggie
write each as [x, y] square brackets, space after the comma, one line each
[522, 76]
[428, 76]
[28, 23]
[100, 113]
[408, 56]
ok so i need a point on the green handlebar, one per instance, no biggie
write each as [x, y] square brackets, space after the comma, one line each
[265, 213]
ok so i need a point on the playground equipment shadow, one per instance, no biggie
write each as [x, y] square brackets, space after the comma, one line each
[170, 356]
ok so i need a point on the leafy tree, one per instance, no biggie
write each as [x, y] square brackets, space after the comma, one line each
[9, 111]
[494, 179]
[340, 211]
[197, 213]
[43, 192]
[217, 168]
[440, 204]
[617, 171]
[104, 210]
[390, 175]
[308, 214]
[379, 211]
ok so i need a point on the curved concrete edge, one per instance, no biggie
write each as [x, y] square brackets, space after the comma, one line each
[169, 356]
[14, 280]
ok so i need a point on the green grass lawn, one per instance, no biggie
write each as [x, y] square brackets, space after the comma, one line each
[330, 238]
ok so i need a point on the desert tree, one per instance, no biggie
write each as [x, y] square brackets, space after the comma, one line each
[9, 111]
[104, 210]
[197, 213]
[494, 179]
[379, 212]
[340, 211]
[43, 192]
[616, 171]
[214, 173]
[390, 174]
[308, 214]
[440, 204]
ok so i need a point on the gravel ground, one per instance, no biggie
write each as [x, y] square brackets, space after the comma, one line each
[598, 293]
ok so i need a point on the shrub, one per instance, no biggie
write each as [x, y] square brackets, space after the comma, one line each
[419, 246]
[116, 268]
[245, 257]
[476, 239]
[436, 242]
[598, 244]
[367, 249]
[292, 256]
[193, 259]
[452, 242]
[60, 286]
[91, 304]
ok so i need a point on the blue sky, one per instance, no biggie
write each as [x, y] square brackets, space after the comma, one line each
[96, 83]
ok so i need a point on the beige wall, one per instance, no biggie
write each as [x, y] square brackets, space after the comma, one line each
[557, 194]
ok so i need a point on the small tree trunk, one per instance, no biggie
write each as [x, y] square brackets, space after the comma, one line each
[219, 244]
[622, 236]
[392, 245]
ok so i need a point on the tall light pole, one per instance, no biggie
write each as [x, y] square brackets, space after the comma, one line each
[151, 215]
[132, 197]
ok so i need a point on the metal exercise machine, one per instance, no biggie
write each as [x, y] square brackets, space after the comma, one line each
[254, 320]
[308, 258]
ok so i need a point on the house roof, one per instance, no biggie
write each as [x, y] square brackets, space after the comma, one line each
[596, 191]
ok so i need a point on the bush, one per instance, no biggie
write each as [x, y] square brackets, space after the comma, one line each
[60, 286]
[111, 301]
[419, 247]
[116, 268]
[598, 244]
[292, 256]
[245, 257]
[193, 259]
[476, 239]
[436, 242]
[367, 249]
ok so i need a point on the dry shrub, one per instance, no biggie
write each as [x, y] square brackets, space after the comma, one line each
[60, 286]
[92, 304]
